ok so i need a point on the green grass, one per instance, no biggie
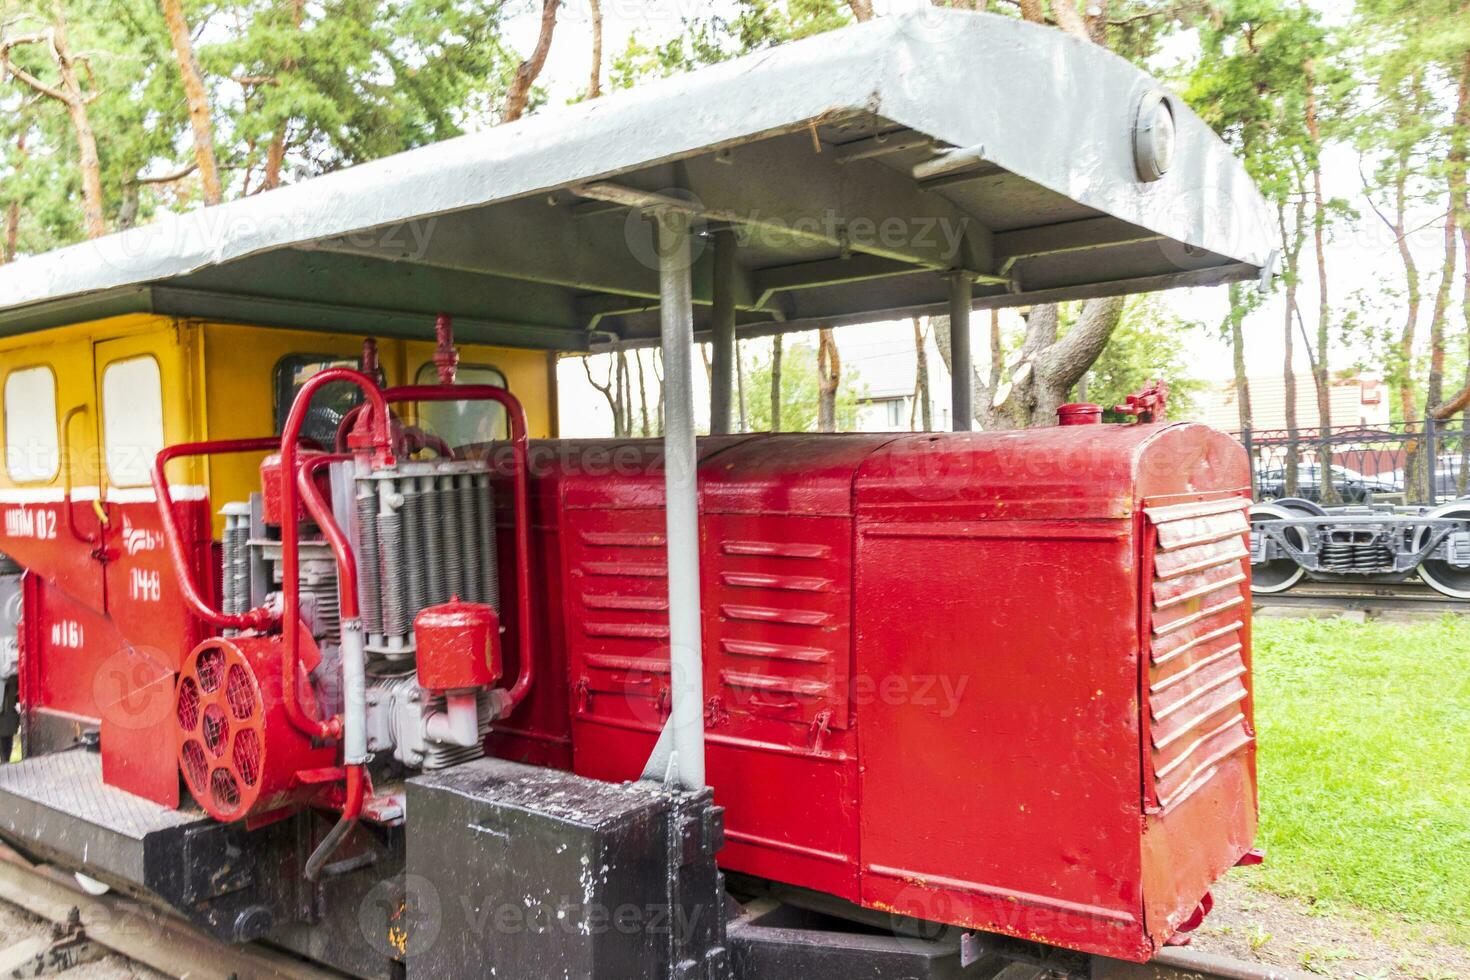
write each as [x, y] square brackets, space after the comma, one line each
[1365, 765]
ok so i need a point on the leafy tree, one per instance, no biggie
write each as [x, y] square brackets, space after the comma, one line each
[1150, 343]
[323, 86]
[800, 402]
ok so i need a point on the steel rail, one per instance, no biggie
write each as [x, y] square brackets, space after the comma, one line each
[164, 942]
[1183, 963]
[1367, 597]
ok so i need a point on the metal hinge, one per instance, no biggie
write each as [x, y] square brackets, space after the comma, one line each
[821, 727]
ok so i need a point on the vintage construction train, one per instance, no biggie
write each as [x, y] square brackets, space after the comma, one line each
[325, 639]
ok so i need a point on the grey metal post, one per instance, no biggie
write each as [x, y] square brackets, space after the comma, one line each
[722, 361]
[1248, 443]
[1431, 466]
[683, 735]
[961, 380]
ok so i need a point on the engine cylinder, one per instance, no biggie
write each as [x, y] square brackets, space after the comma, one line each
[238, 751]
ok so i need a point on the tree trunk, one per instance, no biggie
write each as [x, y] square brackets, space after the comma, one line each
[12, 233]
[643, 427]
[606, 388]
[1048, 368]
[742, 415]
[861, 9]
[1460, 190]
[921, 381]
[625, 393]
[275, 154]
[12, 213]
[1236, 320]
[91, 168]
[529, 70]
[1320, 370]
[594, 86]
[829, 377]
[1408, 406]
[658, 419]
[997, 353]
[776, 345]
[982, 391]
[1292, 239]
[1070, 19]
[196, 97]
[1434, 383]
[75, 99]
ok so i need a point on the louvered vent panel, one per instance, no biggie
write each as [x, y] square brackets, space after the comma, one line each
[1199, 604]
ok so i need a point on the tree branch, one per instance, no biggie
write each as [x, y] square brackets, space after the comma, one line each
[179, 174]
[1065, 362]
[529, 70]
[41, 37]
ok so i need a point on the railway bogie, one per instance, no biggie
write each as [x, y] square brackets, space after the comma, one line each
[1367, 544]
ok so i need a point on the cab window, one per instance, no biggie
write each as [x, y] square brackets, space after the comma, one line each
[32, 450]
[328, 406]
[464, 423]
[132, 419]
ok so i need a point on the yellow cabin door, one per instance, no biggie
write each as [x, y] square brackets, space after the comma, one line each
[143, 389]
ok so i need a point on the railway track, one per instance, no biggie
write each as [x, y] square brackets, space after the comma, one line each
[141, 932]
[175, 948]
[1368, 598]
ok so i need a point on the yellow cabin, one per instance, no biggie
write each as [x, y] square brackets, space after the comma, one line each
[87, 406]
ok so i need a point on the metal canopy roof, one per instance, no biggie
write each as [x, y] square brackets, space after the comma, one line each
[856, 169]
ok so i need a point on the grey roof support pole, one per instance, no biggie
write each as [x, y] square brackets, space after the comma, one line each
[961, 375]
[679, 754]
[722, 362]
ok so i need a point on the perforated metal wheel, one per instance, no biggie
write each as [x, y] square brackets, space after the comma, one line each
[219, 712]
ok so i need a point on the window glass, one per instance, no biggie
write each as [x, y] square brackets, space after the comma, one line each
[32, 451]
[464, 423]
[132, 419]
[329, 405]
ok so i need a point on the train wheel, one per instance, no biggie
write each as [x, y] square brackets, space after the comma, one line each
[1440, 575]
[1279, 574]
[1303, 506]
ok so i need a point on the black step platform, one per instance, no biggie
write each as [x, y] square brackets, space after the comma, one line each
[57, 807]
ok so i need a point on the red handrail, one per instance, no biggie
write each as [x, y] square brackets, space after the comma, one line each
[321, 512]
[259, 618]
[520, 447]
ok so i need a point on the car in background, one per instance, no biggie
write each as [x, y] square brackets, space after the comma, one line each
[1446, 478]
[1353, 487]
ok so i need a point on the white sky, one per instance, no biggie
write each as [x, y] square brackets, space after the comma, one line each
[1361, 255]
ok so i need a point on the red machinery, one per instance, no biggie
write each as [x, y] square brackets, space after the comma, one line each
[994, 680]
[998, 680]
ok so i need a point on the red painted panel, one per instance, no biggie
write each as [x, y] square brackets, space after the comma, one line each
[142, 595]
[1010, 709]
[983, 594]
[36, 535]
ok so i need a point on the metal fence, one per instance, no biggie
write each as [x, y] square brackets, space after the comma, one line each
[1381, 464]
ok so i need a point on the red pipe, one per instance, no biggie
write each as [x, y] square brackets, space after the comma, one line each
[259, 618]
[321, 512]
[290, 533]
[521, 449]
[351, 811]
